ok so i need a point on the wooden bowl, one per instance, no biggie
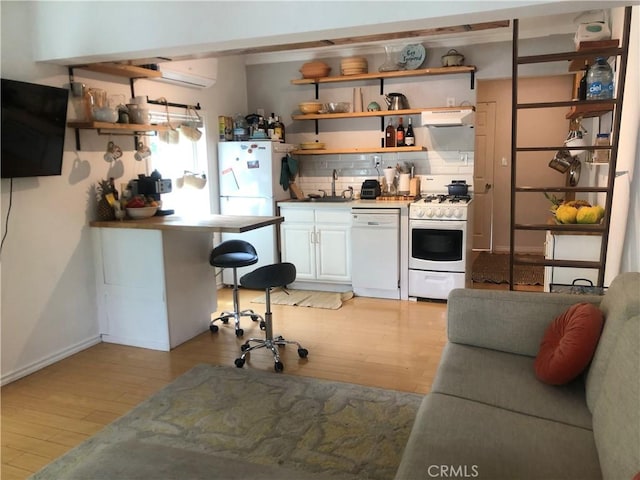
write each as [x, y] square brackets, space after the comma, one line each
[312, 146]
[315, 70]
[310, 107]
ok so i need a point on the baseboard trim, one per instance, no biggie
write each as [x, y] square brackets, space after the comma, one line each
[49, 360]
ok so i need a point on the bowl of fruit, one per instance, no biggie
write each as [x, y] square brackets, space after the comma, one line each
[140, 207]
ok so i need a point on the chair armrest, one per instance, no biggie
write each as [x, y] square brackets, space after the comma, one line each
[507, 321]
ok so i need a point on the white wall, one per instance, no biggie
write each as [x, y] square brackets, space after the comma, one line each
[48, 307]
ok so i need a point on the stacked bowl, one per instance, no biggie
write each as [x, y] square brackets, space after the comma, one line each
[354, 66]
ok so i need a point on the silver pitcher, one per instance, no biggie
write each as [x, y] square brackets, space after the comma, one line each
[396, 101]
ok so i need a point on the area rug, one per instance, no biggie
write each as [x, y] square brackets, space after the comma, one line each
[307, 298]
[218, 422]
[494, 268]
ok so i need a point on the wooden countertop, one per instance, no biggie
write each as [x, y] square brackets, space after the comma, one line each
[211, 223]
[360, 203]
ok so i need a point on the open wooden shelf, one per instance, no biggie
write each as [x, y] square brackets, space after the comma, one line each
[383, 75]
[588, 111]
[381, 113]
[340, 151]
[591, 51]
[128, 127]
[121, 70]
[562, 227]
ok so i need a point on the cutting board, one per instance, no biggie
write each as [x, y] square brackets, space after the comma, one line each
[296, 190]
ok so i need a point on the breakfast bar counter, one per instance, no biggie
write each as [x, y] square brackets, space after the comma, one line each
[155, 286]
[211, 223]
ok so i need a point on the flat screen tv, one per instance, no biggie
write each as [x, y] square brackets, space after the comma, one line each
[33, 126]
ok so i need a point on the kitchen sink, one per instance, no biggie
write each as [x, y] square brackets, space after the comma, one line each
[330, 199]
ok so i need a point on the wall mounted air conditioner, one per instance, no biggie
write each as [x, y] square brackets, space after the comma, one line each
[197, 73]
[448, 117]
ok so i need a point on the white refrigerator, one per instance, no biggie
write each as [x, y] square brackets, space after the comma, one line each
[249, 177]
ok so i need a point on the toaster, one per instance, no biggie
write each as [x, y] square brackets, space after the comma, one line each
[370, 190]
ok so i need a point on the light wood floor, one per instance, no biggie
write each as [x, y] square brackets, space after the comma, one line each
[390, 344]
[383, 343]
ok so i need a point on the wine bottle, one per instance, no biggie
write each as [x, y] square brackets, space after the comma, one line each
[400, 133]
[409, 137]
[279, 129]
[390, 135]
[271, 126]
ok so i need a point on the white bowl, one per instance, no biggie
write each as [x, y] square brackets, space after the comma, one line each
[141, 212]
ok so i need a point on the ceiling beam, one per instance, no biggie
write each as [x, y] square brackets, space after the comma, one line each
[380, 37]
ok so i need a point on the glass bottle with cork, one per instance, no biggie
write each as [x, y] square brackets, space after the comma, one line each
[400, 133]
[390, 135]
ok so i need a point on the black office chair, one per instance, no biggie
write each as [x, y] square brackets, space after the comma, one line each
[266, 278]
[234, 254]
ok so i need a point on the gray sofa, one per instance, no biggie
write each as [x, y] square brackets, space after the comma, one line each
[489, 417]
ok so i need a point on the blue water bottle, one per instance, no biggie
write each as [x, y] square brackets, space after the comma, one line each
[600, 80]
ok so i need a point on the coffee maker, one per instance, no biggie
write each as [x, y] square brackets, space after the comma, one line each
[152, 186]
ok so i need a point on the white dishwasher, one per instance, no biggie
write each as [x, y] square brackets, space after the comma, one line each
[375, 252]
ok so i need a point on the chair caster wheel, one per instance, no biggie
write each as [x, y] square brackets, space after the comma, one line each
[303, 352]
[263, 326]
[278, 366]
[213, 328]
[239, 332]
[244, 347]
[255, 318]
[225, 320]
[239, 362]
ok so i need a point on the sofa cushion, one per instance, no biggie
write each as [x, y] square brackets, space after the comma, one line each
[568, 344]
[616, 416]
[620, 303]
[512, 322]
[508, 381]
[455, 434]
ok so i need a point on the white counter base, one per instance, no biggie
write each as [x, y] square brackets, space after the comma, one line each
[155, 288]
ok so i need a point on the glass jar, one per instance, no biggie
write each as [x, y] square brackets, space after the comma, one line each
[601, 156]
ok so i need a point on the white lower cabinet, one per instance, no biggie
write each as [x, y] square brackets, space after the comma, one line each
[318, 242]
[571, 247]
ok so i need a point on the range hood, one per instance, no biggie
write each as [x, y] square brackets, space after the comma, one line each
[448, 117]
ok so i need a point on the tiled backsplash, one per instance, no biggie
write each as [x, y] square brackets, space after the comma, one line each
[316, 170]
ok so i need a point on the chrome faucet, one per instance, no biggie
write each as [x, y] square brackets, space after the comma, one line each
[334, 177]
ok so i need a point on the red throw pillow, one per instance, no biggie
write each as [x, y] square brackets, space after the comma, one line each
[568, 344]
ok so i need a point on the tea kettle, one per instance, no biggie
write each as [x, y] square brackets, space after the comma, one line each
[396, 101]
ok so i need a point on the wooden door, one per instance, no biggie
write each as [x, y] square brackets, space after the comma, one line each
[483, 175]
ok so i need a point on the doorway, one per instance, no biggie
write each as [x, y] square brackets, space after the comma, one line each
[483, 166]
[492, 162]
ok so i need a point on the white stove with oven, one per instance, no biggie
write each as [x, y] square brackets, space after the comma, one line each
[440, 241]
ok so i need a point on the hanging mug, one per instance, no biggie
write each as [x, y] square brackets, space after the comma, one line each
[142, 152]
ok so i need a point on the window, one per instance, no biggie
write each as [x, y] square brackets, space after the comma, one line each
[172, 160]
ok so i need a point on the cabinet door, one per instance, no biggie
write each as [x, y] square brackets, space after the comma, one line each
[334, 252]
[298, 247]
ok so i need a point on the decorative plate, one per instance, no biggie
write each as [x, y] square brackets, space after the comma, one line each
[413, 56]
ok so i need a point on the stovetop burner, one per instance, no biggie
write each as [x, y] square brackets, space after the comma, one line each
[442, 198]
[440, 207]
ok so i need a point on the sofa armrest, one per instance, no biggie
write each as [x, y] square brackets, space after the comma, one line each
[507, 321]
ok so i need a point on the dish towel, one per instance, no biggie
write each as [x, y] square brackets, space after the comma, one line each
[289, 170]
